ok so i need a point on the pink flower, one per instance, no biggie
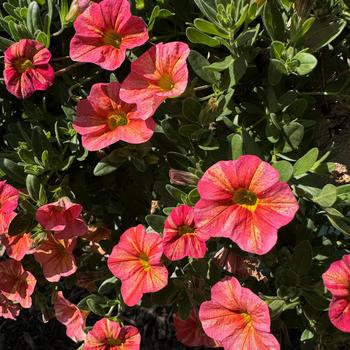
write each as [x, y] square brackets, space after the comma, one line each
[16, 284]
[70, 315]
[190, 332]
[108, 335]
[27, 68]
[180, 238]
[158, 74]
[337, 280]
[103, 119]
[8, 309]
[244, 200]
[135, 260]
[56, 257]
[8, 203]
[237, 318]
[104, 32]
[77, 7]
[17, 246]
[63, 217]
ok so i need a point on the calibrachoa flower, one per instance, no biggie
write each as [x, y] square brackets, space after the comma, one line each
[71, 316]
[135, 260]
[190, 332]
[27, 68]
[63, 217]
[104, 32]
[16, 284]
[237, 318]
[337, 280]
[8, 309]
[103, 119]
[158, 74]
[244, 200]
[109, 335]
[56, 257]
[17, 246]
[180, 237]
[8, 204]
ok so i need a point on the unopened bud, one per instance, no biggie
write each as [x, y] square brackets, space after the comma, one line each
[182, 178]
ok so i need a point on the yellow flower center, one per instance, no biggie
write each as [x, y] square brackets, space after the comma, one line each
[246, 199]
[24, 64]
[112, 38]
[143, 258]
[114, 342]
[116, 120]
[165, 82]
[185, 230]
[247, 318]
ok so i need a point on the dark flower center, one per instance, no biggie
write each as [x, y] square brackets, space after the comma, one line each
[112, 38]
[24, 64]
[165, 82]
[114, 342]
[185, 230]
[116, 120]
[245, 198]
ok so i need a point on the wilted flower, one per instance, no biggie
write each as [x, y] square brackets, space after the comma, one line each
[182, 178]
[104, 31]
[103, 119]
[27, 68]
[244, 200]
[135, 260]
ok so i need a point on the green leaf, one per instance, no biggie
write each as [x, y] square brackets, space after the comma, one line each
[191, 109]
[306, 162]
[236, 146]
[307, 63]
[156, 222]
[285, 169]
[222, 65]
[108, 286]
[179, 161]
[306, 335]
[317, 301]
[294, 133]
[12, 170]
[209, 28]
[95, 302]
[302, 258]
[33, 186]
[176, 193]
[40, 143]
[197, 37]
[338, 221]
[197, 62]
[109, 163]
[158, 13]
[273, 20]
[327, 196]
[22, 223]
[5, 43]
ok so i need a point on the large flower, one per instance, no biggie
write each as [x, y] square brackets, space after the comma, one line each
[104, 31]
[17, 246]
[56, 257]
[63, 217]
[244, 200]
[108, 335]
[160, 73]
[237, 318]
[8, 204]
[190, 332]
[27, 68]
[8, 309]
[180, 237]
[135, 260]
[16, 284]
[337, 280]
[103, 119]
[71, 316]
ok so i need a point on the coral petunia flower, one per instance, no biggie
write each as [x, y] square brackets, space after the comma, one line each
[103, 119]
[103, 33]
[190, 332]
[56, 257]
[27, 68]
[180, 237]
[71, 316]
[8, 309]
[337, 280]
[244, 200]
[109, 335]
[16, 284]
[158, 74]
[63, 217]
[17, 246]
[8, 203]
[135, 260]
[237, 318]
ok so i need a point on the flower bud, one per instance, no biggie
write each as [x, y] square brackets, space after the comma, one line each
[182, 178]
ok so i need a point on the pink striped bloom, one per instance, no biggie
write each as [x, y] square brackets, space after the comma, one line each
[18, 246]
[8, 309]
[8, 203]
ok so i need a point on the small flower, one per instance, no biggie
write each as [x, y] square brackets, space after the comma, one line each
[180, 236]
[109, 335]
[190, 332]
[103, 119]
[237, 318]
[158, 74]
[244, 200]
[71, 316]
[17, 246]
[63, 217]
[27, 68]
[56, 257]
[337, 280]
[8, 309]
[16, 284]
[104, 31]
[135, 260]
[8, 203]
